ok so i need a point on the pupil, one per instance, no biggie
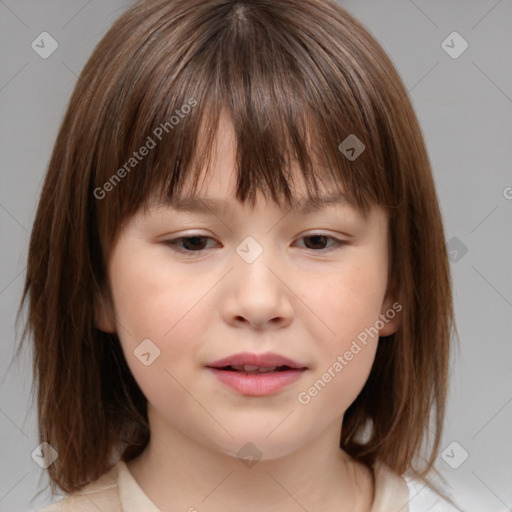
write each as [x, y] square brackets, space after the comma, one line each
[315, 237]
[194, 243]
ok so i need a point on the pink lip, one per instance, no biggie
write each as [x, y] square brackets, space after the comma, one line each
[264, 360]
[257, 384]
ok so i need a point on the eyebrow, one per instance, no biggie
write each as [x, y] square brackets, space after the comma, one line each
[305, 205]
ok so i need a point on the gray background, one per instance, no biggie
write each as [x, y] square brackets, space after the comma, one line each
[464, 106]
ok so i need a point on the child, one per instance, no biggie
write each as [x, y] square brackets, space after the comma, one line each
[259, 371]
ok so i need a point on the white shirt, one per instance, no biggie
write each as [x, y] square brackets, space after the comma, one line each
[422, 499]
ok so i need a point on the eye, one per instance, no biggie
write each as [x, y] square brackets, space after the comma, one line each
[318, 239]
[196, 244]
[192, 244]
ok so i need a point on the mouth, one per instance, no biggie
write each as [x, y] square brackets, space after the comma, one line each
[254, 369]
[257, 374]
[251, 362]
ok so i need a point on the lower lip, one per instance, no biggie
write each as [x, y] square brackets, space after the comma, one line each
[257, 384]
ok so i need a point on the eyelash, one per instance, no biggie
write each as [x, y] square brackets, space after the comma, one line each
[173, 243]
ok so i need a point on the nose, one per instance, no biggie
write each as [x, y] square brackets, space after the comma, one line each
[257, 294]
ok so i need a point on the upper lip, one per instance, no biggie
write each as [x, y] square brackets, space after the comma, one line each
[262, 360]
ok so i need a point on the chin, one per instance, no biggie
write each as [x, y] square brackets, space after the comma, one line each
[250, 446]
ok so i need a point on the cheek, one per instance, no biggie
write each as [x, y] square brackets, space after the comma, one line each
[346, 337]
[335, 387]
[348, 302]
[157, 324]
[148, 302]
[344, 360]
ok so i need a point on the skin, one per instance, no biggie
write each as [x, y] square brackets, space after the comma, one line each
[296, 299]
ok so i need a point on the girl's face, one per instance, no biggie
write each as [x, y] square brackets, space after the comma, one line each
[249, 281]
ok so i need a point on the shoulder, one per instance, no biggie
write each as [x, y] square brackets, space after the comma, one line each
[423, 499]
[101, 494]
[406, 493]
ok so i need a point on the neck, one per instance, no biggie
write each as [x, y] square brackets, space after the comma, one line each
[176, 472]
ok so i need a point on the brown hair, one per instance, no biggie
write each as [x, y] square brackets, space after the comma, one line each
[295, 78]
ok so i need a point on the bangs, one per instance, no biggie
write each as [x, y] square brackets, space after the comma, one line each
[294, 96]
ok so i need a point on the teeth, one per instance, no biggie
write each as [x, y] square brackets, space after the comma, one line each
[265, 369]
[253, 369]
